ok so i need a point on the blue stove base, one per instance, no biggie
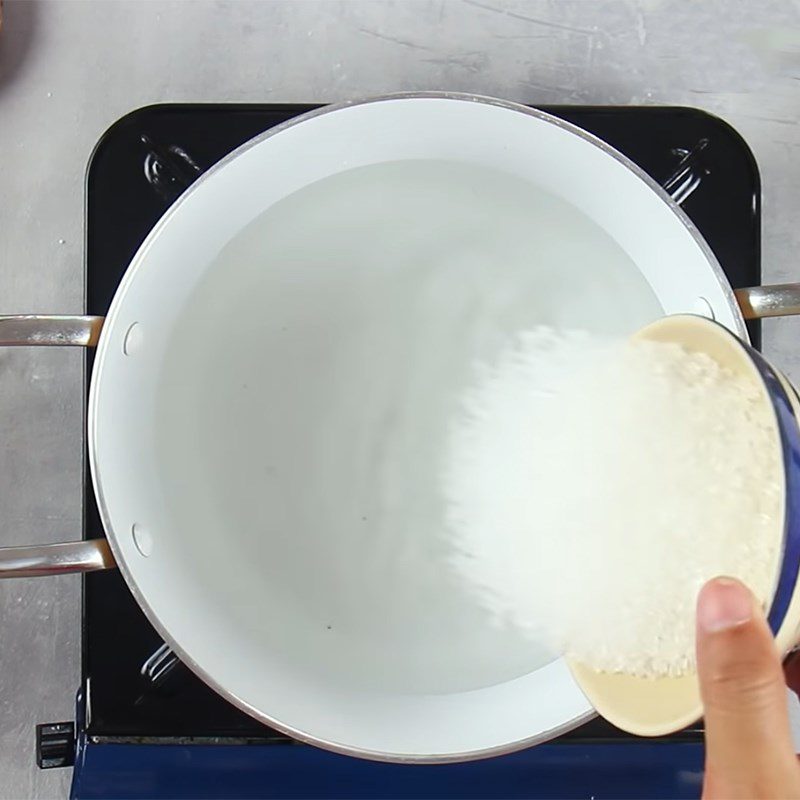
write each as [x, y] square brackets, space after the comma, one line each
[600, 771]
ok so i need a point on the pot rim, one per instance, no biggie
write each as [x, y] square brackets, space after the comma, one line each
[137, 260]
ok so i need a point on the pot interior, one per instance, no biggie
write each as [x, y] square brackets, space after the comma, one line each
[310, 437]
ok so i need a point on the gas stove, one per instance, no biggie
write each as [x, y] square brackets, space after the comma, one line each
[148, 727]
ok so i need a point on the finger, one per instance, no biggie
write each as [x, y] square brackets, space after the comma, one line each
[743, 690]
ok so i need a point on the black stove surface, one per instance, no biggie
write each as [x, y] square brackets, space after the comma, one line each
[134, 686]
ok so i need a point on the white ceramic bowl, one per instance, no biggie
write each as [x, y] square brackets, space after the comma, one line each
[659, 706]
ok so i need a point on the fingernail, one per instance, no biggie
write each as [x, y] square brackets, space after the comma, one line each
[723, 603]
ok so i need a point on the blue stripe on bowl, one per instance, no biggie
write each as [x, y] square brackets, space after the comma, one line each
[790, 446]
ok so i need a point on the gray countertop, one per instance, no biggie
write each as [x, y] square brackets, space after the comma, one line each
[69, 69]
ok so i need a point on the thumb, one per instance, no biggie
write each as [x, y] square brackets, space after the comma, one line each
[743, 689]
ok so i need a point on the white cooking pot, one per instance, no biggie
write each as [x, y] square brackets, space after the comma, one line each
[272, 387]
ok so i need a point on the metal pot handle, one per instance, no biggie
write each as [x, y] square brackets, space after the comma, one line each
[52, 559]
[778, 300]
[49, 331]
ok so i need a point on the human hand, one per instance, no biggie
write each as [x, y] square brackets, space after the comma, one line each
[749, 750]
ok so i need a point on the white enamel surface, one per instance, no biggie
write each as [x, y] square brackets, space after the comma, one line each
[272, 419]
